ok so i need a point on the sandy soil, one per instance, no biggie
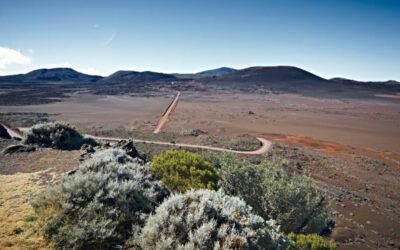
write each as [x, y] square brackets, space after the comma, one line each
[107, 112]
[374, 124]
[358, 123]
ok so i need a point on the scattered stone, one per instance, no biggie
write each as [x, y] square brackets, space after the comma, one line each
[3, 133]
[192, 132]
[368, 222]
[129, 148]
[351, 214]
[335, 213]
[19, 148]
[88, 148]
[251, 112]
[299, 166]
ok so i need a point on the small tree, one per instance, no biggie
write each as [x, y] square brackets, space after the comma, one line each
[181, 171]
[206, 219]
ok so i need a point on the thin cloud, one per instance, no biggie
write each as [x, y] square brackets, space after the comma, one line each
[109, 40]
[9, 57]
[96, 25]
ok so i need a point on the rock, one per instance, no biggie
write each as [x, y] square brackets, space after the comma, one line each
[88, 148]
[19, 148]
[129, 148]
[251, 112]
[3, 133]
[299, 166]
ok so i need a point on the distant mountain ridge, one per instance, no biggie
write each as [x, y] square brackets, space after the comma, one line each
[274, 74]
[216, 72]
[51, 75]
[345, 80]
[280, 79]
[126, 76]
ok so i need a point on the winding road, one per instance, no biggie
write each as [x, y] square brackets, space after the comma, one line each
[266, 145]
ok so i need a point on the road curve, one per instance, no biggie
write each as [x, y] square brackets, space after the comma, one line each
[164, 118]
[266, 145]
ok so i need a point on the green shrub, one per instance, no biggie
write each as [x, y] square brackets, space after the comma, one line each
[206, 219]
[180, 171]
[56, 135]
[275, 193]
[98, 206]
[309, 242]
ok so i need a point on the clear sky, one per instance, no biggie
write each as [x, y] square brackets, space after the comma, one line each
[357, 39]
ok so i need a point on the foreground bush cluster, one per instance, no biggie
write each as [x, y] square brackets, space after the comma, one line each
[116, 201]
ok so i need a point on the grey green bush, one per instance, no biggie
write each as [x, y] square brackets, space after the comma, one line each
[274, 193]
[57, 135]
[207, 219]
[98, 206]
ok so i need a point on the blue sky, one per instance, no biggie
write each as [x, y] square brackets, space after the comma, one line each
[347, 38]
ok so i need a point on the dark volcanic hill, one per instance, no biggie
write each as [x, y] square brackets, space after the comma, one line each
[215, 72]
[136, 77]
[295, 80]
[55, 75]
[377, 84]
[267, 75]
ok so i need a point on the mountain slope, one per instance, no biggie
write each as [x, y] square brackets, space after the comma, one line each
[64, 75]
[215, 72]
[136, 77]
[268, 75]
[287, 79]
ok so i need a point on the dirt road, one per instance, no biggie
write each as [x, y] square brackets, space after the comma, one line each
[266, 145]
[164, 118]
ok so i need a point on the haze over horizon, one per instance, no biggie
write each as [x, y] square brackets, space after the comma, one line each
[356, 39]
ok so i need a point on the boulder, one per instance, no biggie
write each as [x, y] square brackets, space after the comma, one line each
[19, 148]
[3, 132]
[129, 148]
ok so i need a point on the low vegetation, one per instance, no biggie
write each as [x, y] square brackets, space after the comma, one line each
[99, 205]
[181, 170]
[241, 143]
[207, 219]
[57, 135]
[274, 193]
[116, 200]
[309, 242]
[24, 119]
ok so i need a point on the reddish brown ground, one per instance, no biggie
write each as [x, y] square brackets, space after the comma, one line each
[351, 148]
[363, 183]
